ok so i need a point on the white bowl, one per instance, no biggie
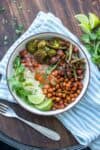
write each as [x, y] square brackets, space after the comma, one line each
[20, 47]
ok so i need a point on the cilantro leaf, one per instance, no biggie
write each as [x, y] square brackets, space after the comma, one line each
[85, 38]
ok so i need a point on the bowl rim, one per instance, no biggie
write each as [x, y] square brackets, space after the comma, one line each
[48, 113]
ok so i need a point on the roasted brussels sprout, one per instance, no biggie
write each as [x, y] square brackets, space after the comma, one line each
[31, 46]
[40, 55]
[54, 44]
[51, 52]
[47, 48]
[42, 44]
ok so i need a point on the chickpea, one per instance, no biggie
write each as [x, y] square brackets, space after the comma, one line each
[57, 86]
[57, 99]
[72, 99]
[50, 90]
[49, 95]
[78, 91]
[53, 88]
[75, 95]
[53, 81]
[66, 80]
[63, 95]
[75, 84]
[71, 95]
[64, 84]
[45, 91]
[73, 88]
[61, 79]
[55, 73]
[60, 94]
[46, 86]
[68, 98]
[59, 90]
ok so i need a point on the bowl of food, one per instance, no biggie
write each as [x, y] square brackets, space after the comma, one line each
[48, 73]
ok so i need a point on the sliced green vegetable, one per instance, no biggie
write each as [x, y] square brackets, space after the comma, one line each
[36, 99]
[46, 105]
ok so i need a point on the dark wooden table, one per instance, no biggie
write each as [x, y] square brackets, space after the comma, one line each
[23, 12]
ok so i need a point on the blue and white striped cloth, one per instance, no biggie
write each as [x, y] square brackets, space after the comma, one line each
[83, 121]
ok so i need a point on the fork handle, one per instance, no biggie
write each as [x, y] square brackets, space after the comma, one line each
[43, 130]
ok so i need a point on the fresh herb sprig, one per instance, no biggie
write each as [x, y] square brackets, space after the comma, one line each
[91, 36]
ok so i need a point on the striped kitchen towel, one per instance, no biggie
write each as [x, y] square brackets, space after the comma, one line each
[83, 120]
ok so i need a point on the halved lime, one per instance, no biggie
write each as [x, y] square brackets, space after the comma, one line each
[36, 99]
[94, 20]
[46, 105]
[82, 18]
[85, 27]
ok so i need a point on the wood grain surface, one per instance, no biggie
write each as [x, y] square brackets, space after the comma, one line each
[23, 12]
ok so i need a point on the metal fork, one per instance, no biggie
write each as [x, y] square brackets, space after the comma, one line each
[7, 111]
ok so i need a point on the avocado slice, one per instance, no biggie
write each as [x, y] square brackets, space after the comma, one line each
[36, 99]
[45, 105]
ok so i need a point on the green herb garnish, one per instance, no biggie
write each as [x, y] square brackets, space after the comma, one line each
[91, 39]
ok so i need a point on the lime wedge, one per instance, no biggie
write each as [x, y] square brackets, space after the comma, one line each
[45, 105]
[85, 27]
[82, 18]
[36, 99]
[94, 20]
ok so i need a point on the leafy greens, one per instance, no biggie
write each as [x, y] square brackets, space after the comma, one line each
[91, 39]
[17, 79]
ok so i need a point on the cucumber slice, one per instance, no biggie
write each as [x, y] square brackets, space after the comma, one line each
[45, 105]
[36, 99]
